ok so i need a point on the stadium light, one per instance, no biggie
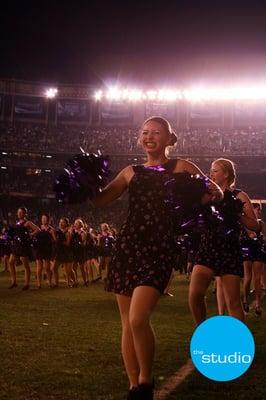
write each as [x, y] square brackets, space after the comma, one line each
[169, 95]
[116, 94]
[190, 94]
[234, 93]
[98, 95]
[151, 94]
[135, 95]
[51, 93]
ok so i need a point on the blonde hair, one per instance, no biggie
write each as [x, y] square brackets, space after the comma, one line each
[104, 225]
[80, 222]
[228, 167]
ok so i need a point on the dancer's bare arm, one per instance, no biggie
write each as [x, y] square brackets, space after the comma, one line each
[115, 188]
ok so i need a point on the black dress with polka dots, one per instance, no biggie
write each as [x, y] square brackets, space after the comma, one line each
[144, 253]
[220, 251]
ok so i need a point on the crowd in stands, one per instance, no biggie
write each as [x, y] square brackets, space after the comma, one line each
[123, 140]
[33, 174]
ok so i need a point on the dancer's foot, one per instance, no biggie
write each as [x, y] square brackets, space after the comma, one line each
[246, 307]
[133, 394]
[145, 391]
[258, 311]
[14, 284]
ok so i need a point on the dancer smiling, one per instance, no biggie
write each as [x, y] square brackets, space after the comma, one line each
[144, 253]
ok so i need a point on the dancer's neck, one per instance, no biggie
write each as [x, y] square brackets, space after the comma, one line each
[153, 161]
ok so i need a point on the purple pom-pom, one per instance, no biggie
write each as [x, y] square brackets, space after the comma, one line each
[186, 190]
[184, 194]
[85, 175]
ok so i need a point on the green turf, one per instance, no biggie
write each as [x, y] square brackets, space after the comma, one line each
[65, 344]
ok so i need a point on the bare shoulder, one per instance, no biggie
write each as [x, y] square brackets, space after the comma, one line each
[187, 166]
[242, 196]
[29, 224]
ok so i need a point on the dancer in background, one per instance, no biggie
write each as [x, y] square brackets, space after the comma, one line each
[253, 266]
[219, 252]
[23, 232]
[63, 253]
[91, 256]
[44, 243]
[78, 242]
[105, 246]
[4, 247]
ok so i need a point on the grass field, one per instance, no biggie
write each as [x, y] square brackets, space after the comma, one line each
[64, 344]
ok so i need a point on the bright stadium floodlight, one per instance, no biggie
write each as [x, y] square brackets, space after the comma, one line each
[219, 94]
[198, 94]
[98, 95]
[248, 93]
[135, 95]
[151, 94]
[169, 95]
[194, 94]
[51, 93]
[114, 94]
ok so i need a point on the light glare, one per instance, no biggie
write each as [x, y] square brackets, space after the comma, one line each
[190, 94]
[51, 93]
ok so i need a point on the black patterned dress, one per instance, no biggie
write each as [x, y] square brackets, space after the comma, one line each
[21, 241]
[4, 243]
[44, 244]
[78, 247]
[252, 247]
[144, 252]
[63, 252]
[220, 250]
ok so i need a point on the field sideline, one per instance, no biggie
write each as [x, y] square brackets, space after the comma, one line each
[64, 344]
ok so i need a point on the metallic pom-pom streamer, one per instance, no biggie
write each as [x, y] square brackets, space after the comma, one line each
[85, 175]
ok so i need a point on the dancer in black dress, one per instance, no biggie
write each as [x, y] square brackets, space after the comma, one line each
[4, 247]
[144, 251]
[263, 274]
[44, 244]
[20, 245]
[105, 248]
[91, 250]
[219, 252]
[63, 253]
[253, 266]
[78, 242]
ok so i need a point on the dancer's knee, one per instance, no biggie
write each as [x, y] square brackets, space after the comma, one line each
[138, 322]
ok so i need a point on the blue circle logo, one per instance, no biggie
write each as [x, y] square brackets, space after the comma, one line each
[222, 348]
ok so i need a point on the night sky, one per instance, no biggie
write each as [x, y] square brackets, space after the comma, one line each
[141, 42]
